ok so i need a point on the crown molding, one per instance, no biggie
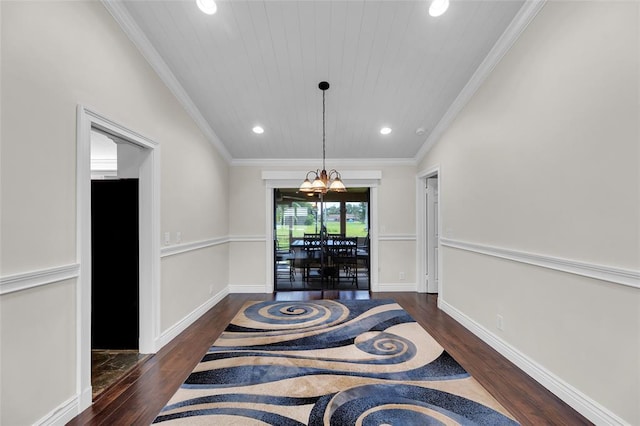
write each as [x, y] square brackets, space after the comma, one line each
[317, 162]
[525, 15]
[140, 40]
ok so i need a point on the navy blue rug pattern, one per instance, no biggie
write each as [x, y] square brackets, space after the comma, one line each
[328, 362]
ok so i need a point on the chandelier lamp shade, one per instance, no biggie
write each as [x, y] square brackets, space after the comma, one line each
[323, 181]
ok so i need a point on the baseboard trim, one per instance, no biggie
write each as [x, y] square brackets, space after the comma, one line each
[397, 237]
[396, 287]
[600, 272]
[563, 390]
[27, 280]
[62, 414]
[248, 288]
[173, 331]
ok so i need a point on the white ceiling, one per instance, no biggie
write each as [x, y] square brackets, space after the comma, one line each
[260, 61]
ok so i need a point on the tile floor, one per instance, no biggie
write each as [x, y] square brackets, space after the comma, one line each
[109, 366]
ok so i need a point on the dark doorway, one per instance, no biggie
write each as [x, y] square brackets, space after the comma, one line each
[114, 264]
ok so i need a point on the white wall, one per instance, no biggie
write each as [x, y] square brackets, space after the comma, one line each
[395, 218]
[56, 55]
[544, 159]
[397, 229]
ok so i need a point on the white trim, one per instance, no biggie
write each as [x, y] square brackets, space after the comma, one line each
[374, 240]
[314, 163]
[421, 228]
[293, 178]
[173, 331]
[191, 246]
[211, 242]
[247, 238]
[397, 237]
[250, 288]
[390, 287]
[519, 23]
[83, 255]
[600, 272]
[104, 165]
[570, 395]
[298, 175]
[31, 279]
[62, 414]
[270, 185]
[140, 40]
[285, 179]
[149, 237]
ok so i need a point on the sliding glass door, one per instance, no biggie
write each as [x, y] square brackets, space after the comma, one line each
[305, 261]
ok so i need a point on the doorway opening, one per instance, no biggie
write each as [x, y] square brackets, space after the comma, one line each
[148, 168]
[428, 192]
[321, 242]
[432, 240]
[115, 259]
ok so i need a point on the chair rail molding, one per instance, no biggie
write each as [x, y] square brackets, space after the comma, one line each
[191, 246]
[611, 274]
[247, 238]
[31, 279]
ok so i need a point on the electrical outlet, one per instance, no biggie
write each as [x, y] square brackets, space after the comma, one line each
[500, 322]
[178, 237]
[211, 289]
[167, 238]
[402, 276]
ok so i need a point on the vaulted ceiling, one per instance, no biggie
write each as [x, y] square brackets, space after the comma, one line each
[259, 62]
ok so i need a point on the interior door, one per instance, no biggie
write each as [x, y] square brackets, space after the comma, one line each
[432, 235]
[114, 264]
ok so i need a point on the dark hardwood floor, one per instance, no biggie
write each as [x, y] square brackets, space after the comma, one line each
[138, 397]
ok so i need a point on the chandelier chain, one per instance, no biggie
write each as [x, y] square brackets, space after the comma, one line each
[324, 181]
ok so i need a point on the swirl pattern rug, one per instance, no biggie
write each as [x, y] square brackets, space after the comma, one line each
[328, 362]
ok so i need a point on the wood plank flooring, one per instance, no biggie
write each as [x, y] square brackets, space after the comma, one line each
[137, 399]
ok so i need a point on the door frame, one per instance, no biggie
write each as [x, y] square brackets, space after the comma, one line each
[149, 237]
[292, 179]
[421, 227]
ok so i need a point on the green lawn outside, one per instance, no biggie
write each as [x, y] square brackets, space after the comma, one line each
[354, 229]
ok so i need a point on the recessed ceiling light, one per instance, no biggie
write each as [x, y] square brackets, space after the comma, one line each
[385, 130]
[207, 6]
[258, 130]
[438, 7]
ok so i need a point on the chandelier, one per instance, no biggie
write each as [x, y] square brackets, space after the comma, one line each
[323, 181]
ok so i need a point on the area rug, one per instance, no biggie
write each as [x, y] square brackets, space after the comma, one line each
[329, 362]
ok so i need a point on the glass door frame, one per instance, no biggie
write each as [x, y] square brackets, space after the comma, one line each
[291, 179]
[286, 258]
